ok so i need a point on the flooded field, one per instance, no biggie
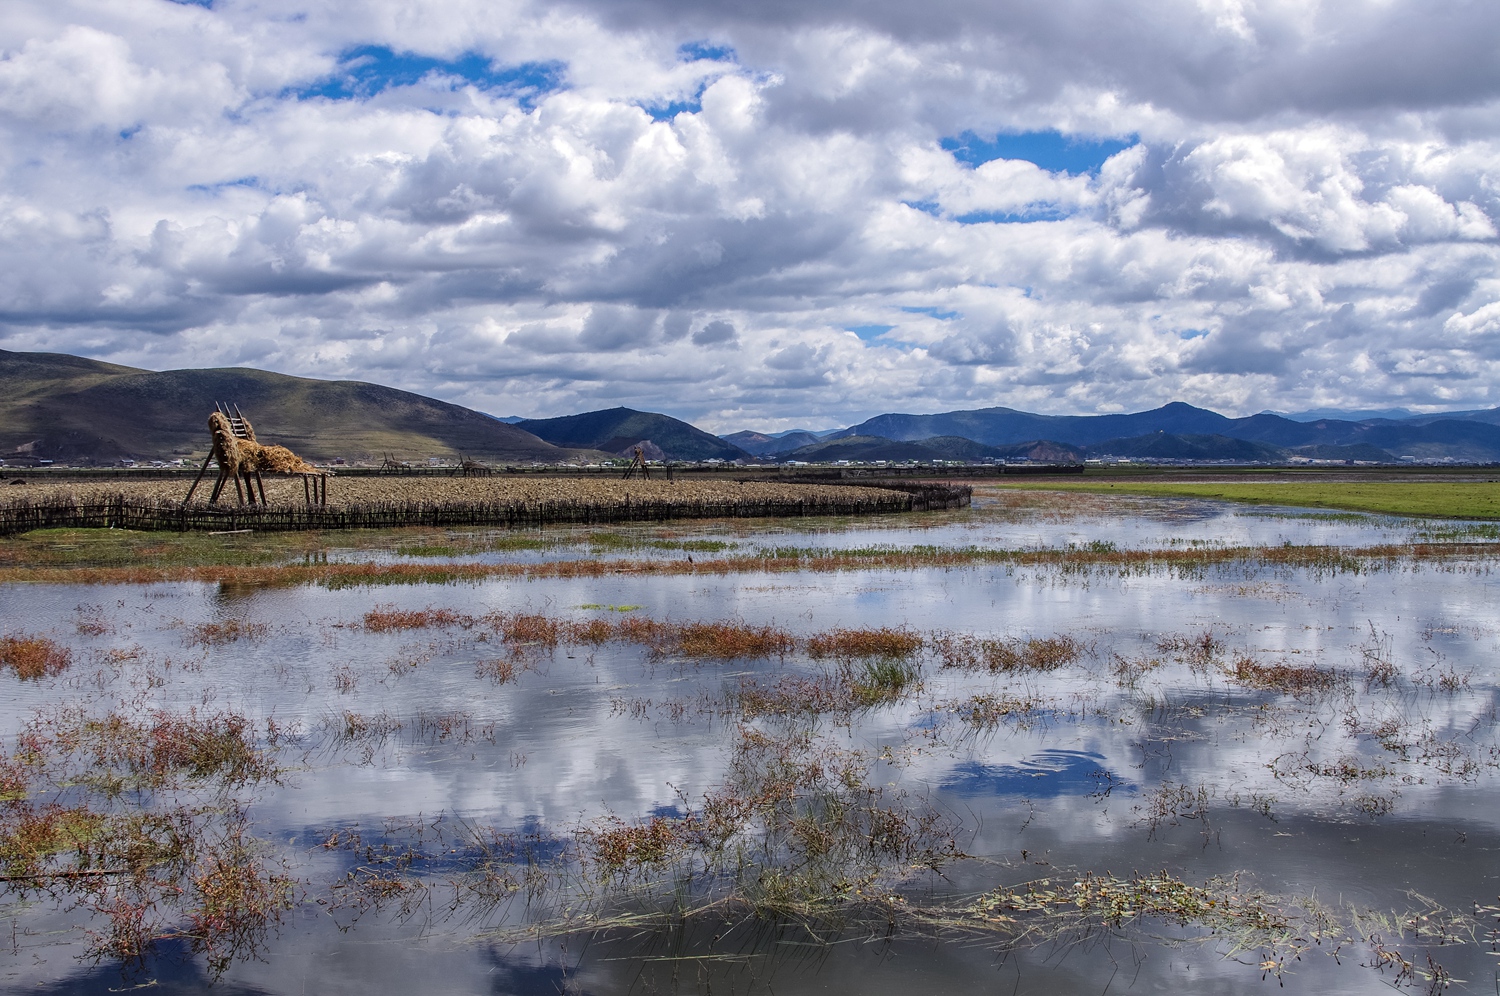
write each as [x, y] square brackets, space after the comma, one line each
[1047, 744]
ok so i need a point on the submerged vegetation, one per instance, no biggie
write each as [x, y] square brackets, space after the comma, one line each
[1189, 562]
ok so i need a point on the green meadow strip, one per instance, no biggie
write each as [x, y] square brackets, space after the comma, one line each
[1440, 499]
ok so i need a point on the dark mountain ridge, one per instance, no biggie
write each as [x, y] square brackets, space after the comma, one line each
[1473, 438]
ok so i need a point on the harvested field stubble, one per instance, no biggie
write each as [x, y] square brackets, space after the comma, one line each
[360, 503]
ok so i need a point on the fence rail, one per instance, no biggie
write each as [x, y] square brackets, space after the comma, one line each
[122, 512]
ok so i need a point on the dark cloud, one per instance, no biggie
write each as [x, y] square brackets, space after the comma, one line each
[717, 333]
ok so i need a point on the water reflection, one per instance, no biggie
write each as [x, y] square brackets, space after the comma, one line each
[1043, 775]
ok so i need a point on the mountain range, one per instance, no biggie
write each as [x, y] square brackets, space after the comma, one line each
[1181, 431]
[69, 408]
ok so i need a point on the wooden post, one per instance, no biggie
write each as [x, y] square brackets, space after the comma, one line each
[201, 471]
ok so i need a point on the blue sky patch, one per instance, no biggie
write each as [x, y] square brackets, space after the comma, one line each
[1192, 333]
[930, 312]
[214, 188]
[1048, 774]
[868, 332]
[666, 112]
[693, 51]
[1032, 212]
[1051, 150]
[370, 69]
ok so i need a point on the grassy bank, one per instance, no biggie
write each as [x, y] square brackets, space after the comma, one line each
[1457, 499]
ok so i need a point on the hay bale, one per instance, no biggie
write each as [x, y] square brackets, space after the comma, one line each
[279, 460]
[226, 444]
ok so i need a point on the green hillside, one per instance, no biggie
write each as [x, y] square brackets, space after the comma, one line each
[72, 408]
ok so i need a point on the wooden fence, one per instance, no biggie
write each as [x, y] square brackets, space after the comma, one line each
[121, 512]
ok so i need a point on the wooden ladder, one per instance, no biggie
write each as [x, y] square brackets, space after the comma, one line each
[236, 419]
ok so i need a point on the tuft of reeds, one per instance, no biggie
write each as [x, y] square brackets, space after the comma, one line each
[217, 747]
[390, 619]
[1282, 677]
[529, 628]
[33, 657]
[986, 712]
[723, 641]
[619, 846]
[1198, 652]
[1020, 654]
[845, 644]
[229, 631]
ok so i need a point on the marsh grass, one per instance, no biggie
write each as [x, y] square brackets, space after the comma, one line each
[389, 619]
[212, 634]
[114, 752]
[1019, 654]
[847, 644]
[852, 685]
[723, 641]
[33, 657]
[1281, 677]
[98, 817]
[988, 711]
[1201, 652]
[349, 727]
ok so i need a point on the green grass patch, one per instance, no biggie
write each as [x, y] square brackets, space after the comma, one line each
[1445, 499]
[131, 548]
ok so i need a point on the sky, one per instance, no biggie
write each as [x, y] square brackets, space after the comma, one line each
[766, 214]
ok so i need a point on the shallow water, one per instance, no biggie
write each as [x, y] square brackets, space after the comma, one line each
[1152, 749]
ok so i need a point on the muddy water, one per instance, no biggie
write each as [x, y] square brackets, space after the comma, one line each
[1171, 741]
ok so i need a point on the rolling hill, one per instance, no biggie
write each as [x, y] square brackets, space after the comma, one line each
[1169, 446]
[619, 430]
[761, 445]
[68, 408]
